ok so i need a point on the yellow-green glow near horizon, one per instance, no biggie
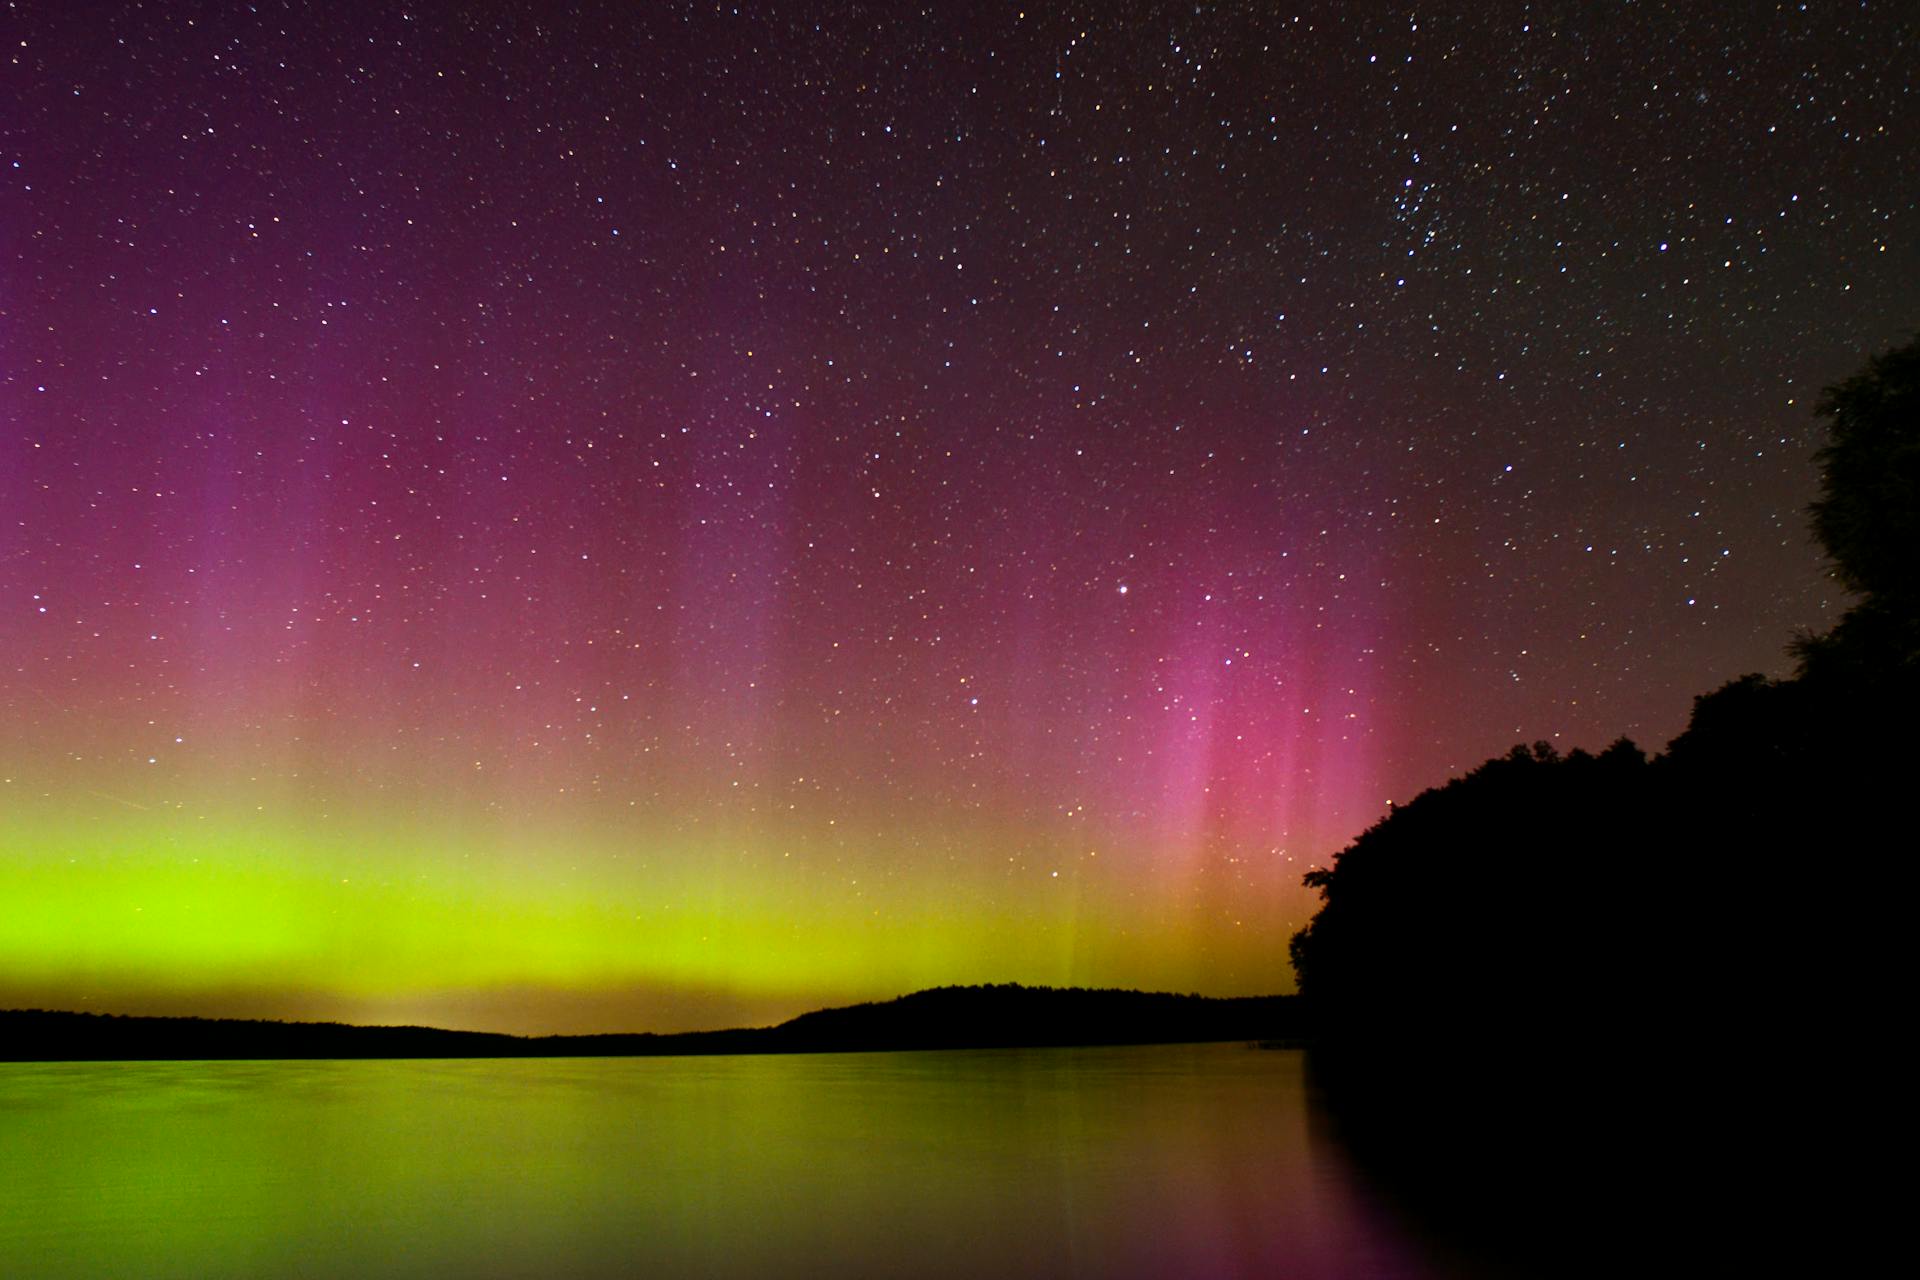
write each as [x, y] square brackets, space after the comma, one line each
[217, 913]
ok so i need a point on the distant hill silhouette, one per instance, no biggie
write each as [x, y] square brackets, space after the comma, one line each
[1010, 1015]
[942, 1018]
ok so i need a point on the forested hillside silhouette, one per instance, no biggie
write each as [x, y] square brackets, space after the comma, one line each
[1005, 1016]
[1560, 967]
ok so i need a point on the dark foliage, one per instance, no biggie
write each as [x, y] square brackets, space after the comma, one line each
[1540, 888]
[1868, 519]
[1485, 878]
[1866, 516]
[1483, 954]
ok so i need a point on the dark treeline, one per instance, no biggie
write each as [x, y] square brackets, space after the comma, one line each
[1583, 989]
[943, 1018]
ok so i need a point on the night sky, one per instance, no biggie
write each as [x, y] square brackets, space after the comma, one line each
[679, 514]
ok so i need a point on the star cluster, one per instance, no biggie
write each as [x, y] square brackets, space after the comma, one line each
[666, 515]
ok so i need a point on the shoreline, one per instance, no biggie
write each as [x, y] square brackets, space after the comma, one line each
[1008, 1017]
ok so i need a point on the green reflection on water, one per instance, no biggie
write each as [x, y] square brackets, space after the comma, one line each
[1189, 1160]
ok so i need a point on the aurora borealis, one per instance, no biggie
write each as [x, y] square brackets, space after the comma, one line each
[670, 515]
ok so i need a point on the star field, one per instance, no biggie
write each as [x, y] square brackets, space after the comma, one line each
[668, 515]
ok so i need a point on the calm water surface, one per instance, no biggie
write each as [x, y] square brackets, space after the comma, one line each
[1184, 1161]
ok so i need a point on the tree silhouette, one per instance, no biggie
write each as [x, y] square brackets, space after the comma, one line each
[1868, 518]
[1868, 515]
[1478, 950]
[1479, 906]
[1501, 897]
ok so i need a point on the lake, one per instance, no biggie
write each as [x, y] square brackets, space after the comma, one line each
[1193, 1160]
